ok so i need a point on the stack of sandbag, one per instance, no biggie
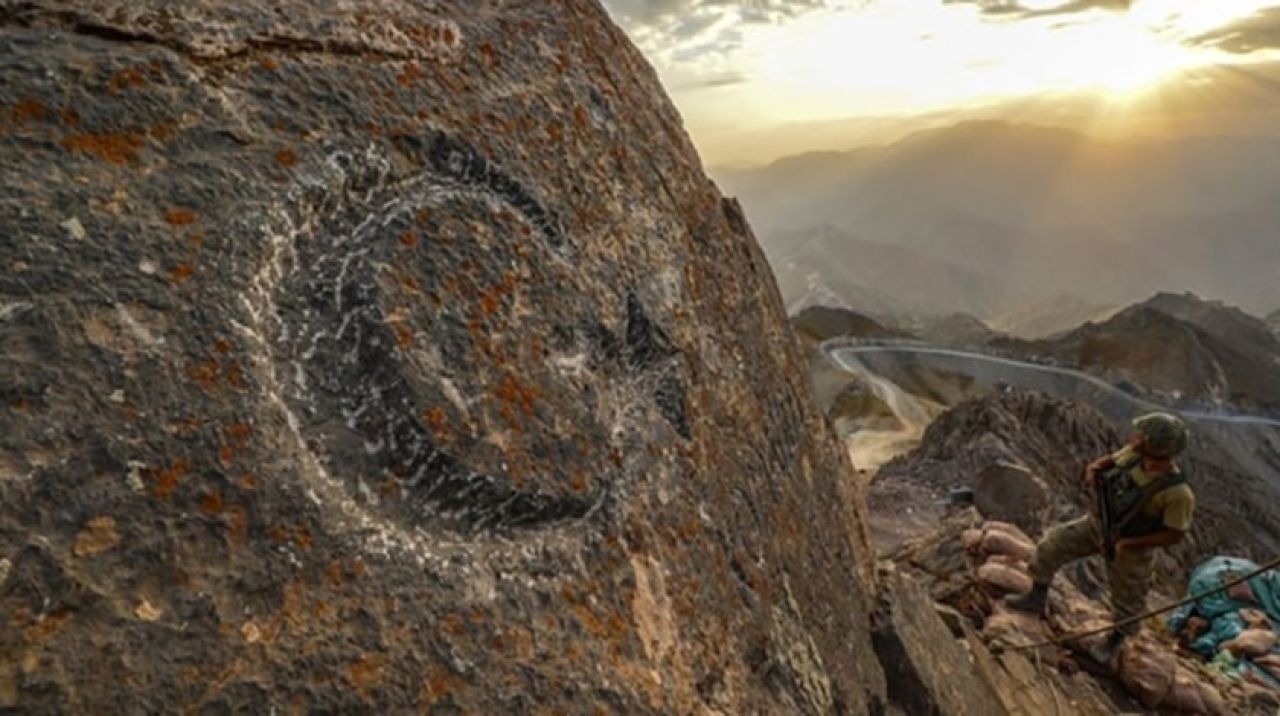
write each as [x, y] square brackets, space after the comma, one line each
[1006, 551]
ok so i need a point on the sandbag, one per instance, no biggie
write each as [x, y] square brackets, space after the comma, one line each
[1211, 700]
[1271, 663]
[1005, 527]
[1004, 578]
[998, 542]
[1252, 642]
[1242, 593]
[1006, 560]
[1184, 695]
[1148, 671]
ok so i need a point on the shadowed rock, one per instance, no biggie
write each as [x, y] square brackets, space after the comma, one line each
[395, 356]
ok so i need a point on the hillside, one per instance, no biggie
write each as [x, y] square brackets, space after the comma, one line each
[884, 281]
[1046, 211]
[820, 323]
[1049, 317]
[1177, 344]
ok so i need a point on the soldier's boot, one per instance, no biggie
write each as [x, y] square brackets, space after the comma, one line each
[1105, 652]
[1033, 602]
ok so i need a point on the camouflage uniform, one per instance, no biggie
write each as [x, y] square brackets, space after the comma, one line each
[1129, 575]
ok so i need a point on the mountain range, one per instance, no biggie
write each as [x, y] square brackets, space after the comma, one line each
[1177, 344]
[1036, 212]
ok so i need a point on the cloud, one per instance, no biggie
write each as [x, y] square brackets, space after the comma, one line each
[1015, 9]
[700, 44]
[657, 12]
[1259, 31]
[726, 80]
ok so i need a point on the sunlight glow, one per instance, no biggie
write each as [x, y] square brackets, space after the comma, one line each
[918, 54]
[857, 65]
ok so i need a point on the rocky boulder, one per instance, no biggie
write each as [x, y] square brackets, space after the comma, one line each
[395, 356]
[1011, 493]
[820, 323]
[929, 670]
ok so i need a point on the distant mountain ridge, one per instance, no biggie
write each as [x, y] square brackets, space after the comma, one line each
[1178, 344]
[1042, 211]
[829, 266]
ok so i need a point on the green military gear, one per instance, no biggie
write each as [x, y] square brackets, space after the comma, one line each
[1142, 502]
[1033, 602]
[1129, 574]
[1136, 504]
[1104, 652]
[1164, 435]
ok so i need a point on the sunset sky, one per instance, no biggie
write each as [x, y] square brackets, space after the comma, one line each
[756, 79]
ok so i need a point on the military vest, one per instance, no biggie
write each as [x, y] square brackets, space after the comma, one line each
[1127, 499]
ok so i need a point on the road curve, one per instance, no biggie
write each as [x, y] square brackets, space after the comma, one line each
[847, 357]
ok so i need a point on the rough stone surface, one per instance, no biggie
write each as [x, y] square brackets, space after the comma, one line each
[417, 366]
[1012, 493]
[928, 669]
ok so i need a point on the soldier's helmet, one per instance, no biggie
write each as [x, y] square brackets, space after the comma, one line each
[1163, 434]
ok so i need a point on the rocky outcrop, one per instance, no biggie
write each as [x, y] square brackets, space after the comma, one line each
[929, 670]
[1010, 493]
[1179, 345]
[1054, 439]
[390, 356]
[824, 322]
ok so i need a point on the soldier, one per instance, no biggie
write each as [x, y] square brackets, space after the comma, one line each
[1151, 507]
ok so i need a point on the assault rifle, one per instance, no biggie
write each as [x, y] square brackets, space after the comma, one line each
[1106, 517]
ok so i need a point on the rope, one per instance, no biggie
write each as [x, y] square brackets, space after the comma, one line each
[1273, 564]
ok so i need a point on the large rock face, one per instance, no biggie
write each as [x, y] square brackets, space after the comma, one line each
[395, 355]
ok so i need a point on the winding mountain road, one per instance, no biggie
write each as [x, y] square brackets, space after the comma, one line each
[989, 370]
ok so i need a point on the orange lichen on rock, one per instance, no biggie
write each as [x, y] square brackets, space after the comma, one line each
[438, 685]
[286, 158]
[180, 217]
[490, 55]
[125, 79]
[437, 419]
[206, 374]
[181, 273]
[113, 148]
[240, 433]
[512, 393]
[366, 673]
[410, 75]
[166, 481]
[404, 335]
[491, 298]
[29, 110]
[238, 526]
[212, 503]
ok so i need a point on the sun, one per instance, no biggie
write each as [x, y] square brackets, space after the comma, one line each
[917, 55]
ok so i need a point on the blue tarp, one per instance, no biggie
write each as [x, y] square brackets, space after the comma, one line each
[1221, 611]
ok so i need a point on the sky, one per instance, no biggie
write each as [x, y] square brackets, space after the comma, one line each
[760, 79]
